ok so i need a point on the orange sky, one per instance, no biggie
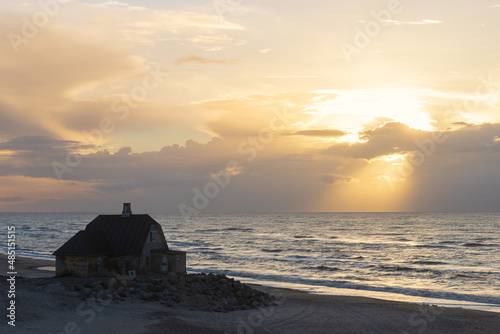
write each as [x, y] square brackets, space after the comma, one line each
[193, 107]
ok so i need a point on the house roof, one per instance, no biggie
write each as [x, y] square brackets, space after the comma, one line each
[85, 243]
[111, 234]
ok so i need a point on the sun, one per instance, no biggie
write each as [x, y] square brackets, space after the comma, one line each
[356, 110]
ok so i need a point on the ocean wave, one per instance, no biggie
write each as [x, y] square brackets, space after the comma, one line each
[239, 229]
[431, 246]
[304, 250]
[323, 268]
[461, 276]
[401, 270]
[477, 244]
[43, 230]
[430, 263]
[207, 249]
[265, 250]
[397, 268]
[209, 230]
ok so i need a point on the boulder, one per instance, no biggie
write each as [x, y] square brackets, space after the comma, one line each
[204, 292]
[155, 288]
[147, 296]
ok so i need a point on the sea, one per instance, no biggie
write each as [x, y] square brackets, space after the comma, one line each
[443, 259]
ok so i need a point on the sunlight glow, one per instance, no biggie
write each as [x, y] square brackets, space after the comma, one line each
[7, 153]
[391, 157]
[355, 110]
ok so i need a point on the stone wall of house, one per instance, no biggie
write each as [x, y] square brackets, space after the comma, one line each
[159, 243]
[123, 264]
[79, 266]
[168, 261]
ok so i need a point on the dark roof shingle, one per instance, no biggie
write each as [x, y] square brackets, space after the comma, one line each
[85, 243]
[111, 234]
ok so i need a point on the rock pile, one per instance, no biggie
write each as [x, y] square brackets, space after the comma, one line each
[212, 293]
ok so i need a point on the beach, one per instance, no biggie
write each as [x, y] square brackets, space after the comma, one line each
[44, 305]
[231, 166]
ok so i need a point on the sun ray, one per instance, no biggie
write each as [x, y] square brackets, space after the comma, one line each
[354, 110]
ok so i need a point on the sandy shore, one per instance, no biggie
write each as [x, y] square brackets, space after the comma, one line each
[44, 305]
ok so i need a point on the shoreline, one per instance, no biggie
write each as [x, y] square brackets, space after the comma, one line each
[39, 266]
[32, 268]
[48, 305]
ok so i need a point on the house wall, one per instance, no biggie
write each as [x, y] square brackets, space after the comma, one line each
[123, 264]
[176, 261]
[79, 266]
[160, 243]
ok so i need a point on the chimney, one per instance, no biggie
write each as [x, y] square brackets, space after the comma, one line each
[127, 210]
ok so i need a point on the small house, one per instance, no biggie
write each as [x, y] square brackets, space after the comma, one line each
[120, 243]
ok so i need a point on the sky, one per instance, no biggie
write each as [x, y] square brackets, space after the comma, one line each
[249, 106]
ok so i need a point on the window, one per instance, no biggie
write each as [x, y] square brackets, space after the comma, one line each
[152, 236]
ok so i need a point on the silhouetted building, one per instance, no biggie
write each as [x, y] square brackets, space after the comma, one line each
[119, 243]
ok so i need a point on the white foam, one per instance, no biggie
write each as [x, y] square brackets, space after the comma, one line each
[47, 268]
